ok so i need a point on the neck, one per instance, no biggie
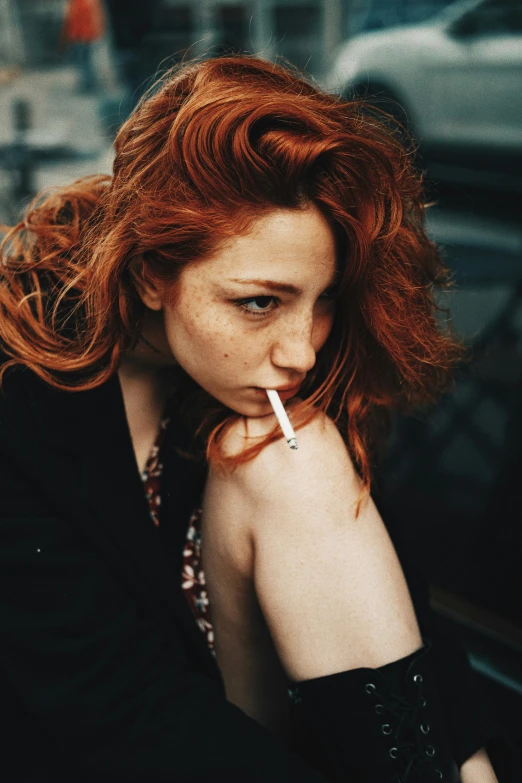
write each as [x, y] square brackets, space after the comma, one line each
[144, 390]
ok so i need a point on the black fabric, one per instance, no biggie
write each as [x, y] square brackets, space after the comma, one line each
[458, 686]
[102, 667]
[104, 673]
[379, 725]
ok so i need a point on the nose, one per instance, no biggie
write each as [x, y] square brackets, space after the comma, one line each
[293, 348]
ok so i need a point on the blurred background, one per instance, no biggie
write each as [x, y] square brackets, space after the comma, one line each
[451, 73]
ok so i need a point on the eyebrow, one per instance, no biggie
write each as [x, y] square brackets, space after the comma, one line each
[272, 285]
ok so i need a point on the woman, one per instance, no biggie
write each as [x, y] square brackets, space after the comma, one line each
[256, 234]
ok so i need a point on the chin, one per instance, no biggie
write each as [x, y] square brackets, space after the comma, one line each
[252, 410]
[241, 401]
[243, 410]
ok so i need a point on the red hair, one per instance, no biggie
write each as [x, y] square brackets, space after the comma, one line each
[211, 148]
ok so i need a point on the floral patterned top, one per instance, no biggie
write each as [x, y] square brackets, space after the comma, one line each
[192, 577]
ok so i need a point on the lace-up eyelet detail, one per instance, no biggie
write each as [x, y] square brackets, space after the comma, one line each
[405, 726]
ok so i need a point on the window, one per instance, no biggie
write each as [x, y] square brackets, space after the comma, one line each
[298, 34]
[493, 17]
[233, 28]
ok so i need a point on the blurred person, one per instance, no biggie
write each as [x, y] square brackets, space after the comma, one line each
[84, 25]
[169, 567]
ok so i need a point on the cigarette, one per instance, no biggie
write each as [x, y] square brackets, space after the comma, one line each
[282, 418]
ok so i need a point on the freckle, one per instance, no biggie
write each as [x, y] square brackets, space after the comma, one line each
[225, 355]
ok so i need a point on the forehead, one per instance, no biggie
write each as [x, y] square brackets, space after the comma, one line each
[294, 246]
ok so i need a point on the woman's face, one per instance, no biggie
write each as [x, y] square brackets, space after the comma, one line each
[254, 315]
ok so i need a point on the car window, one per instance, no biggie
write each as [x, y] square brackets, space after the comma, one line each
[493, 17]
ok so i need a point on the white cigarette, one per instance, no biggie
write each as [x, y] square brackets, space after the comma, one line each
[282, 418]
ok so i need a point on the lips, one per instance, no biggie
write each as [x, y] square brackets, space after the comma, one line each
[287, 392]
[280, 389]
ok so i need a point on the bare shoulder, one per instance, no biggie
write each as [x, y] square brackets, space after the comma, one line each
[320, 465]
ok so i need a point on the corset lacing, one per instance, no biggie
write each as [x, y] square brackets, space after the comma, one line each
[407, 732]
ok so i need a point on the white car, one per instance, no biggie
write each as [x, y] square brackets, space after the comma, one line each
[458, 75]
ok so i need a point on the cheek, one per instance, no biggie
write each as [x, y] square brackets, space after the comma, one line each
[204, 337]
[322, 328]
[189, 327]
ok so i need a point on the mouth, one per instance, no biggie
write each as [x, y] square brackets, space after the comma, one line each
[293, 387]
[286, 395]
[286, 392]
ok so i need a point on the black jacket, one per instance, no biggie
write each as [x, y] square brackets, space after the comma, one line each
[104, 673]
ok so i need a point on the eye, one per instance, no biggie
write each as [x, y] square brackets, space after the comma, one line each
[257, 305]
[329, 297]
[330, 293]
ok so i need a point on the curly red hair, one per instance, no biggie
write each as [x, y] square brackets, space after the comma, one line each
[211, 148]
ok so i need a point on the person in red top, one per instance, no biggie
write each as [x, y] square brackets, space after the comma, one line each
[84, 24]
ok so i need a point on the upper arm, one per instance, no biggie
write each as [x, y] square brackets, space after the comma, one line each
[329, 582]
[277, 470]
[314, 485]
